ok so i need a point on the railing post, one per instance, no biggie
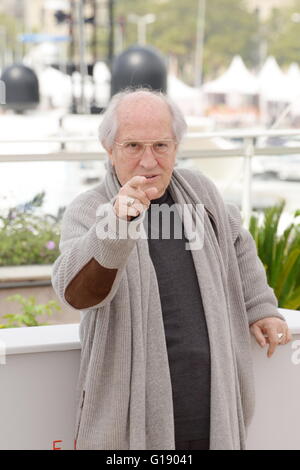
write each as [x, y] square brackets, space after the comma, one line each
[246, 201]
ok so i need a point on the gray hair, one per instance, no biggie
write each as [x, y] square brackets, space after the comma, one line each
[109, 125]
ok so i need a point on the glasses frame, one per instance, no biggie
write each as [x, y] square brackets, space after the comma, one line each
[146, 143]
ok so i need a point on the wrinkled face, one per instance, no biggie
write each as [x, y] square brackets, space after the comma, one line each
[144, 119]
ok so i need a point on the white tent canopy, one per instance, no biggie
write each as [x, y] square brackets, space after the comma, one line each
[236, 80]
[293, 76]
[274, 85]
[293, 73]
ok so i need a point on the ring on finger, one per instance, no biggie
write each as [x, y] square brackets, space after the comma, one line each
[130, 201]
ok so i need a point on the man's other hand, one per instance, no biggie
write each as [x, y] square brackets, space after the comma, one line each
[272, 331]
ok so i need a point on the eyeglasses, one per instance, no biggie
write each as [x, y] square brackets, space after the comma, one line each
[136, 149]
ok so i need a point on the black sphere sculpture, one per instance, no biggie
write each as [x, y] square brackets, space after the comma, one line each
[21, 88]
[139, 67]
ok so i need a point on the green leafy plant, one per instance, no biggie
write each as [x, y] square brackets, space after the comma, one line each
[31, 311]
[280, 254]
[27, 237]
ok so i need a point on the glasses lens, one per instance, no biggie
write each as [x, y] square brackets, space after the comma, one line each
[162, 147]
[133, 148]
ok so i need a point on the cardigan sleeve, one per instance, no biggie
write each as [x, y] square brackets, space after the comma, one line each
[259, 297]
[94, 247]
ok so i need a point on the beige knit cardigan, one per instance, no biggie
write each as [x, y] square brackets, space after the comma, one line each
[124, 394]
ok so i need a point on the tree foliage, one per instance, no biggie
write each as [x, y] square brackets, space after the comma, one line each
[282, 34]
[229, 29]
[12, 28]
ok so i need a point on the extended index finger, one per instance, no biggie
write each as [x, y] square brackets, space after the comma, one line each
[137, 181]
[273, 341]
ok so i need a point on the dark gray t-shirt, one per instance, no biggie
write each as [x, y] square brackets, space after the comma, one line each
[185, 325]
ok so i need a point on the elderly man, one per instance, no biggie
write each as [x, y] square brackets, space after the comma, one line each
[165, 328]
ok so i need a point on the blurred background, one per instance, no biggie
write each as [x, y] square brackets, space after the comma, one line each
[232, 66]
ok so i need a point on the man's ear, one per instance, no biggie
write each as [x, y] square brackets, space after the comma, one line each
[110, 154]
[111, 157]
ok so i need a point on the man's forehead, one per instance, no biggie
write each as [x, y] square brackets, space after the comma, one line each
[140, 113]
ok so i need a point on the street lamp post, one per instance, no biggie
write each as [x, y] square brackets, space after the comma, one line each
[3, 42]
[111, 45]
[199, 43]
[81, 43]
[141, 22]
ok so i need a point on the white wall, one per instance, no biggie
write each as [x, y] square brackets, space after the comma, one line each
[38, 373]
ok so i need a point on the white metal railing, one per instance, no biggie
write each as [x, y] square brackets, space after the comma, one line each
[252, 144]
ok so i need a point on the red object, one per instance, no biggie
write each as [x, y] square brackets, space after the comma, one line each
[54, 447]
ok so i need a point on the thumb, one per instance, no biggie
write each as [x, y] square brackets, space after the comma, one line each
[257, 333]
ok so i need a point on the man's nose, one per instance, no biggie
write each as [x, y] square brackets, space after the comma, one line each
[148, 159]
